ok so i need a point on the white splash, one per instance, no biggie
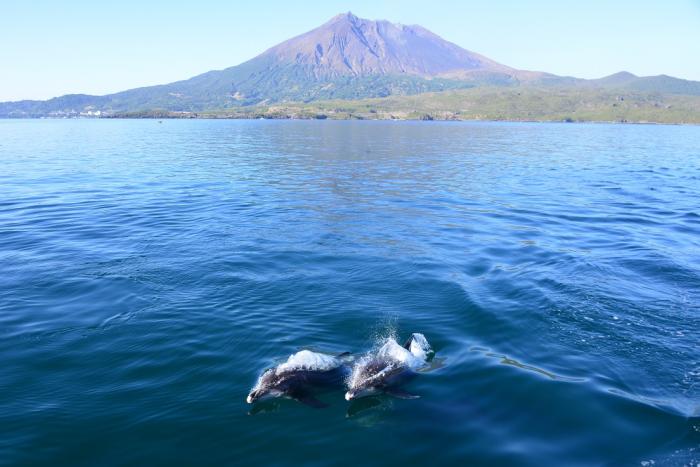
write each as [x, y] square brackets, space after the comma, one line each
[415, 356]
[308, 360]
[393, 352]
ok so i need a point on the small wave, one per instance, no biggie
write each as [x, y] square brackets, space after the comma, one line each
[506, 360]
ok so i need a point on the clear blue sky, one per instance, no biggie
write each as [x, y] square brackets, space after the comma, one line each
[52, 47]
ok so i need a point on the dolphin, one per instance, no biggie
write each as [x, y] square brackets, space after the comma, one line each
[297, 377]
[388, 368]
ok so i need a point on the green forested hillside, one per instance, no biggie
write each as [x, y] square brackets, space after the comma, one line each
[484, 103]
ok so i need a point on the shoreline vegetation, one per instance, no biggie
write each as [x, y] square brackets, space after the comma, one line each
[476, 104]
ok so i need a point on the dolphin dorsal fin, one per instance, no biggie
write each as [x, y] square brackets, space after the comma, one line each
[418, 345]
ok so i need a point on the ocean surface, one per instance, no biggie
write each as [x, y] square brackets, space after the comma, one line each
[149, 272]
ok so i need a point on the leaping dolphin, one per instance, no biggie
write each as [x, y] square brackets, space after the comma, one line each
[388, 368]
[299, 375]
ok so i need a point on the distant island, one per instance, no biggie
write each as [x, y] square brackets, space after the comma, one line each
[353, 68]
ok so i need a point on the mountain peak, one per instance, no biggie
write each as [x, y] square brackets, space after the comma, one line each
[347, 45]
[620, 77]
[348, 16]
[623, 75]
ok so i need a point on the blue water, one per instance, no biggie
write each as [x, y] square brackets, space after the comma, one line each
[150, 271]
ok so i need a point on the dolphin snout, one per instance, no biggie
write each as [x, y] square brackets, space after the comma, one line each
[253, 396]
[349, 396]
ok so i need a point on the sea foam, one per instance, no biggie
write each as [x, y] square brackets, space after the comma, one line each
[308, 360]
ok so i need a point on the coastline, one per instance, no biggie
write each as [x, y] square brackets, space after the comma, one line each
[294, 118]
[204, 116]
[477, 104]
